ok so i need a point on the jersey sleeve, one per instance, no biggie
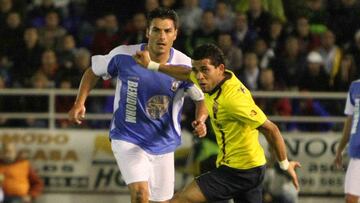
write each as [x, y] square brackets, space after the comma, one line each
[105, 66]
[195, 93]
[349, 106]
[243, 108]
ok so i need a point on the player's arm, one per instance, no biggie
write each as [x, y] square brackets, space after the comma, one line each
[276, 141]
[176, 71]
[200, 117]
[88, 81]
[201, 112]
[343, 142]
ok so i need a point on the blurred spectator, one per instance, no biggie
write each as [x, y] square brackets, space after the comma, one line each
[51, 34]
[307, 40]
[170, 4]
[5, 70]
[331, 55]
[11, 35]
[274, 7]
[224, 17]
[64, 102]
[151, 5]
[232, 53]
[67, 51]
[28, 58]
[207, 4]
[82, 62]
[346, 74]
[354, 50]
[272, 106]
[345, 20]
[258, 18]
[314, 77]
[49, 66]
[290, 64]
[2, 196]
[107, 36]
[21, 183]
[38, 103]
[189, 16]
[264, 53]
[207, 33]
[317, 15]
[244, 37]
[250, 72]
[136, 33]
[37, 14]
[6, 6]
[275, 36]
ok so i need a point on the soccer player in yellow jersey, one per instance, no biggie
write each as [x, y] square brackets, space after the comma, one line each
[236, 121]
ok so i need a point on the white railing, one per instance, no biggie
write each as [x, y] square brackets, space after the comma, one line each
[52, 115]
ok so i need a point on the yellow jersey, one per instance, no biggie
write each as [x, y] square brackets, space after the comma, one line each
[235, 118]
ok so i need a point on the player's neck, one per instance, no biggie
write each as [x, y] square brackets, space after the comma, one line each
[159, 57]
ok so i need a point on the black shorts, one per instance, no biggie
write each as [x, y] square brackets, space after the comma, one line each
[225, 183]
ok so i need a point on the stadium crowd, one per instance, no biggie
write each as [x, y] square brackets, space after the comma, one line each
[271, 45]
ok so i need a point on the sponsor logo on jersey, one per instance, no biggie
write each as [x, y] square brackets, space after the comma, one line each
[131, 101]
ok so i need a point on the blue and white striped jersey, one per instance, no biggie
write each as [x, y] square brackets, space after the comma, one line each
[147, 104]
[353, 108]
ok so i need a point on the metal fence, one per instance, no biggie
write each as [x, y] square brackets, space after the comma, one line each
[51, 115]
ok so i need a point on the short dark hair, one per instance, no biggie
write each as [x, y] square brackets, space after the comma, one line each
[209, 51]
[164, 13]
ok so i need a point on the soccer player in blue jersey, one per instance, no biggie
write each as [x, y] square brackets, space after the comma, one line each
[351, 135]
[145, 129]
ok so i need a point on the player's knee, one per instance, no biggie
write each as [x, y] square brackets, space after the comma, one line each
[140, 195]
[351, 198]
[180, 197]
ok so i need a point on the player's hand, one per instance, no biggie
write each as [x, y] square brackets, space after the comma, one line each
[77, 114]
[291, 171]
[199, 128]
[338, 161]
[142, 58]
[26, 199]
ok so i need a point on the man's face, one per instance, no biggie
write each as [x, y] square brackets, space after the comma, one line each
[9, 152]
[161, 35]
[207, 75]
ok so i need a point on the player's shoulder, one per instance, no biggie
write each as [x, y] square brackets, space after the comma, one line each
[180, 58]
[125, 50]
[355, 85]
[233, 86]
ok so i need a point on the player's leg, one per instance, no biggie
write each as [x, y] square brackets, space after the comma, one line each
[352, 181]
[190, 194]
[162, 177]
[134, 166]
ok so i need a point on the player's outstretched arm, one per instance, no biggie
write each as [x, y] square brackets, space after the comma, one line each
[175, 71]
[88, 81]
[343, 142]
[276, 141]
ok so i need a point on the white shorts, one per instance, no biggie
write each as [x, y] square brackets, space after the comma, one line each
[136, 165]
[352, 177]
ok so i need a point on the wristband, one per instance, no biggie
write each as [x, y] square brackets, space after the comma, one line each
[153, 66]
[284, 164]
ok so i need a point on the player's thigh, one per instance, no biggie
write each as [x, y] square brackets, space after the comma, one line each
[133, 162]
[352, 178]
[162, 177]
